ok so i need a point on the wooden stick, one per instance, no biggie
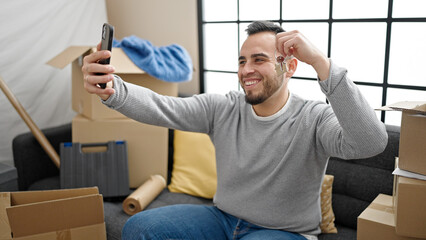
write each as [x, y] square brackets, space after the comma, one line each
[38, 134]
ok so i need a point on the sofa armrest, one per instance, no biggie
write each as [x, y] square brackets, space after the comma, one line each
[31, 161]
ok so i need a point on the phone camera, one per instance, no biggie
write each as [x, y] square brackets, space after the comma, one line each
[103, 32]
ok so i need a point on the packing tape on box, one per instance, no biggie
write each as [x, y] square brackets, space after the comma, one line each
[380, 207]
[143, 195]
[63, 235]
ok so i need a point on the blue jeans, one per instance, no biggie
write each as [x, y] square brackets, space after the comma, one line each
[186, 221]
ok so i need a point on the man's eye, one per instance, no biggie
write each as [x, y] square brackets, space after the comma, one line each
[259, 60]
[241, 62]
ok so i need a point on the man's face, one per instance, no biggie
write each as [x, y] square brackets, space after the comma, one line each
[256, 70]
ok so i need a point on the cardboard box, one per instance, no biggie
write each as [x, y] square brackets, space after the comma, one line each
[412, 150]
[412, 146]
[147, 145]
[50, 215]
[90, 105]
[377, 221]
[410, 207]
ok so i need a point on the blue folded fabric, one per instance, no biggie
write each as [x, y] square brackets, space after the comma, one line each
[170, 63]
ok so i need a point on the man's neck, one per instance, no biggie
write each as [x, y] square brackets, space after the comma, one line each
[273, 104]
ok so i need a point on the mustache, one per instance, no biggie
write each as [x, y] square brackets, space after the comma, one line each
[251, 75]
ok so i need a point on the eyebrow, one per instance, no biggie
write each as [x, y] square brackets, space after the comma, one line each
[255, 55]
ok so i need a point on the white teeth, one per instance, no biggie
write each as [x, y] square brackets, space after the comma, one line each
[248, 83]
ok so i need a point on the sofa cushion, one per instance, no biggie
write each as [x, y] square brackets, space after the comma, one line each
[327, 220]
[46, 184]
[344, 233]
[194, 165]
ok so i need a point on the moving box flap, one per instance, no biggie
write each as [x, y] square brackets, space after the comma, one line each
[55, 215]
[415, 107]
[122, 63]
[68, 56]
[18, 198]
[119, 59]
[4, 222]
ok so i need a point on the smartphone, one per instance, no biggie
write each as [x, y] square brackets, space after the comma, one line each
[106, 44]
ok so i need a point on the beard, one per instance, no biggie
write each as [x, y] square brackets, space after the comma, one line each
[254, 100]
[269, 88]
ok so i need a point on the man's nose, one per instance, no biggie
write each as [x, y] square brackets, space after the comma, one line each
[247, 69]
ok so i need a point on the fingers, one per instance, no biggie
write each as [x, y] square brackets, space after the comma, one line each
[92, 67]
[287, 42]
[97, 69]
[95, 73]
[91, 82]
[96, 56]
[294, 43]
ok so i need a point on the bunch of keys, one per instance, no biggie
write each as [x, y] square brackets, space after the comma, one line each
[280, 65]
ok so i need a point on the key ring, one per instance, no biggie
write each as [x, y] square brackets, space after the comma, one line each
[281, 61]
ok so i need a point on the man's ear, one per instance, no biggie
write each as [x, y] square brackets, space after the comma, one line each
[291, 66]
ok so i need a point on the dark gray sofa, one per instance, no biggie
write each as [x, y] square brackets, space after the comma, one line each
[356, 182]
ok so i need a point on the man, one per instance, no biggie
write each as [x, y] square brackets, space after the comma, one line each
[272, 146]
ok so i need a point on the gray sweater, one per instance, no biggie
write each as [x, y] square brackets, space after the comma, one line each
[269, 169]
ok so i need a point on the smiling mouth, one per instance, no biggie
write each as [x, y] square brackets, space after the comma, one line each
[251, 82]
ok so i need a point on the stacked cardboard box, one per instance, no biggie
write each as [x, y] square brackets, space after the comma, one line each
[147, 145]
[402, 216]
[378, 221]
[410, 207]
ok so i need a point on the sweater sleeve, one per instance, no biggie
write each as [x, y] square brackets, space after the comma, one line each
[146, 106]
[350, 129]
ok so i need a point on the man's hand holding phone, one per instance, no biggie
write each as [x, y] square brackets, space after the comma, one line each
[95, 73]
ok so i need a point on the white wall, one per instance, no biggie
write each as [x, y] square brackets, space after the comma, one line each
[33, 32]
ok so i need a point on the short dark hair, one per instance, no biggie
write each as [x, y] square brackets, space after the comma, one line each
[263, 26]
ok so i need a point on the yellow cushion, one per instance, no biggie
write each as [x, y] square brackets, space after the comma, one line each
[327, 222]
[194, 166]
[194, 173]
